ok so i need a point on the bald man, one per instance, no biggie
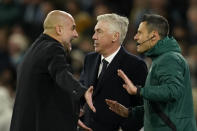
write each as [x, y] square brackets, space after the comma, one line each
[47, 97]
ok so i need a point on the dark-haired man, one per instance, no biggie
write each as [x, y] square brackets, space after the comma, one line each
[167, 93]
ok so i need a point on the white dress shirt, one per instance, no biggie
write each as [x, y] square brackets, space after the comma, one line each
[108, 59]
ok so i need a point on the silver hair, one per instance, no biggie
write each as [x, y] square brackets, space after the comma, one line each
[117, 23]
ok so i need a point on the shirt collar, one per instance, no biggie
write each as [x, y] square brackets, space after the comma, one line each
[110, 57]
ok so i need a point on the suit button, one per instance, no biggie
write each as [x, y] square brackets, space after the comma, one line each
[74, 92]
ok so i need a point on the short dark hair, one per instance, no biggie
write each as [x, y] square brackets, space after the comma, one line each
[158, 23]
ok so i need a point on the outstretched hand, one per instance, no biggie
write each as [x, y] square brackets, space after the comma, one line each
[88, 97]
[129, 86]
[117, 108]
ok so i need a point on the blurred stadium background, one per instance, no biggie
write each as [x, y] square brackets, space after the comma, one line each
[21, 22]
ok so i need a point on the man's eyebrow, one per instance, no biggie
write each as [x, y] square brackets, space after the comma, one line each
[139, 31]
[73, 27]
[97, 29]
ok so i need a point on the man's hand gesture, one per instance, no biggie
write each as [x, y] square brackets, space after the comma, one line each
[88, 97]
[117, 108]
[129, 86]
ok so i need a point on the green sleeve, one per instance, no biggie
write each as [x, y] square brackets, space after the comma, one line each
[170, 75]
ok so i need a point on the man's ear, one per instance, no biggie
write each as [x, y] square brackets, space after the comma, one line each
[154, 35]
[58, 30]
[115, 37]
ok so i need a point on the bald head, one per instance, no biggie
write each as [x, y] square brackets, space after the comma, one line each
[61, 26]
[56, 18]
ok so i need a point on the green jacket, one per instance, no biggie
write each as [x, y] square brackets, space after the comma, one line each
[168, 85]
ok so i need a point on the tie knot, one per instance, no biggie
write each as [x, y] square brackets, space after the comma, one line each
[104, 62]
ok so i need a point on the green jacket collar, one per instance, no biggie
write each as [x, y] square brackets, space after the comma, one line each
[164, 45]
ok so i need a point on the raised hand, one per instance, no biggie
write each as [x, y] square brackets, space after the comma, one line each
[88, 97]
[117, 108]
[129, 86]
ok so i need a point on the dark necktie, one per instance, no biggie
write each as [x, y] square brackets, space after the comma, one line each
[103, 68]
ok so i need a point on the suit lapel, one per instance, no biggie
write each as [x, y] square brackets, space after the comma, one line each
[111, 70]
[94, 70]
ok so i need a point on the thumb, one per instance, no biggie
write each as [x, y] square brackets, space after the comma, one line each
[125, 86]
[91, 89]
[89, 99]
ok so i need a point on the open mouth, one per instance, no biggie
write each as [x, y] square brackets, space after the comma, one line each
[71, 40]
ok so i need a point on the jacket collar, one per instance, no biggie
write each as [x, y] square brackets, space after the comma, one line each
[164, 45]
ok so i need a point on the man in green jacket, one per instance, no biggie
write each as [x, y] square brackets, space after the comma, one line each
[168, 103]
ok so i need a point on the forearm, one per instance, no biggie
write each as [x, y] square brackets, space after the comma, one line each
[67, 82]
[161, 93]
